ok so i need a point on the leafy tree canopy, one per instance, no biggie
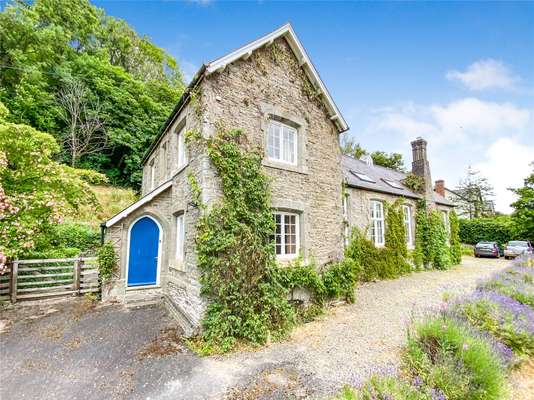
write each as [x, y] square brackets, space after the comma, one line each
[35, 191]
[47, 45]
[388, 160]
[475, 195]
[523, 215]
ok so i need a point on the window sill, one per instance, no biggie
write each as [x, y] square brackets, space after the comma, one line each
[285, 167]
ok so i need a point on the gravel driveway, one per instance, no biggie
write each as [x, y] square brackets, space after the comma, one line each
[108, 352]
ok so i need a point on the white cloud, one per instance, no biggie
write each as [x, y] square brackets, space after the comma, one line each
[472, 116]
[506, 164]
[188, 70]
[467, 131]
[485, 74]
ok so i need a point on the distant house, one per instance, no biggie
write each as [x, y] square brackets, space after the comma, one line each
[270, 89]
[465, 208]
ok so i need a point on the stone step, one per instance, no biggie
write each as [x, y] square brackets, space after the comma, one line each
[142, 298]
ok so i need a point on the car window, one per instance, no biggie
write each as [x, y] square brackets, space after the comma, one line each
[516, 243]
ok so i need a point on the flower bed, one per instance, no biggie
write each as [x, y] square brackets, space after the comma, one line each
[467, 350]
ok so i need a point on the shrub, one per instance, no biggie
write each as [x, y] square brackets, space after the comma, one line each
[515, 282]
[382, 263]
[454, 239]
[507, 320]
[384, 388]
[107, 260]
[339, 280]
[68, 239]
[431, 241]
[240, 276]
[445, 355]
[499, 229]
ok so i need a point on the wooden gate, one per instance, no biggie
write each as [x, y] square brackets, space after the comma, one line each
[37, 279]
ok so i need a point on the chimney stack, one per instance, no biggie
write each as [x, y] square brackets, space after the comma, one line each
[439, 187]
[421, 167]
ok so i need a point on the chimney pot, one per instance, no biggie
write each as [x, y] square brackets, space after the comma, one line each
[439, 187]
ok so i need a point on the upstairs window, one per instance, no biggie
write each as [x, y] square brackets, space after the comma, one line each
[377, 222]
[286, 238]
[282, 143]
[180, 148]
[408, 224]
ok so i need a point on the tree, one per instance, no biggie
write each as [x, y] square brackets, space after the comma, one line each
[523, 215]
[85, 133]
[132, 83]
[391, 160]
[35, 190]
[474, 195]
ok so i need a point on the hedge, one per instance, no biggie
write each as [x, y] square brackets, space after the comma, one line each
[498, 229]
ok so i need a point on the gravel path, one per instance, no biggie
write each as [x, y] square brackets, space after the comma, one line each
[74, 350]
[345, 346]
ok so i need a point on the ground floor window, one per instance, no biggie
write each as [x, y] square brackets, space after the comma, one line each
[286, 238]
[180, 234]
[377, 222]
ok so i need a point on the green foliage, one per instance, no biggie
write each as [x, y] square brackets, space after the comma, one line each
[68, 239]
[240, 276]
[35, 190]
[391, 160]
[414, 182]
[395, 237]
[495, 318]
[454, 239]
[381, 263]
[446, 356]
[337, 280]
[495, 229]
[431, 239]
[383, 388]
[523, 216]
[107, 260]
[438, 249]
[46, 44]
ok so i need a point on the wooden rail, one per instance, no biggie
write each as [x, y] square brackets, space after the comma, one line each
[37, 279]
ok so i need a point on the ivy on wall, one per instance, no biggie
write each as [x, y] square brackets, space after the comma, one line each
[455, 244]
[240, 276]
[388, 262]
[433, 241]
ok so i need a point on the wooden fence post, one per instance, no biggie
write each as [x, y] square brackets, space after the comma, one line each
[13, 283]
[77, 276]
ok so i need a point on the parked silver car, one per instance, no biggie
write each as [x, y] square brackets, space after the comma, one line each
[516, 248]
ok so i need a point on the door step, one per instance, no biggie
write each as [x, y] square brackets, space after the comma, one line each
[143, 298]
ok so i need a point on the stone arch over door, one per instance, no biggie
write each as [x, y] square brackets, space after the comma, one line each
[144, 252]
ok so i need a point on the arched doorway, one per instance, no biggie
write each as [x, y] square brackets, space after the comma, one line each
[144, 240]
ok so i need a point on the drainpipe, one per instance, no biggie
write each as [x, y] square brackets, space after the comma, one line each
[102, 233]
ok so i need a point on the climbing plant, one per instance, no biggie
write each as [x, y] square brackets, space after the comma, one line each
[431, 239]
[240, 276]
[107, 260]
[455, 244]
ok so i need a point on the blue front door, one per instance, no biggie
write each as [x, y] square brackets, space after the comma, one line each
[143, 257]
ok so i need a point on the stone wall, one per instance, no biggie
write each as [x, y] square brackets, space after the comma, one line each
[271, 85]
[359, 204]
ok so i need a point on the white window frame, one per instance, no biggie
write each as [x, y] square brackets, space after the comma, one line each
[446, 223]
[181, 154]
[283, 255]
[281, 148]
[377, 221]
[408, 226]
[180, 237]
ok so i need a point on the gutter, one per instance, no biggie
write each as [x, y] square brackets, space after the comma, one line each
[181, 103]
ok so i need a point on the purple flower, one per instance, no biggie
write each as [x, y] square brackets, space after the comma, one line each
[437, 394]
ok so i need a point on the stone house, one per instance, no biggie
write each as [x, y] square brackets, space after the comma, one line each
[270, 89]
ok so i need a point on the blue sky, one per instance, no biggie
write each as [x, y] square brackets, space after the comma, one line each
[460, 74]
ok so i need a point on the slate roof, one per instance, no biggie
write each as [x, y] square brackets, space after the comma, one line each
[379, 175]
